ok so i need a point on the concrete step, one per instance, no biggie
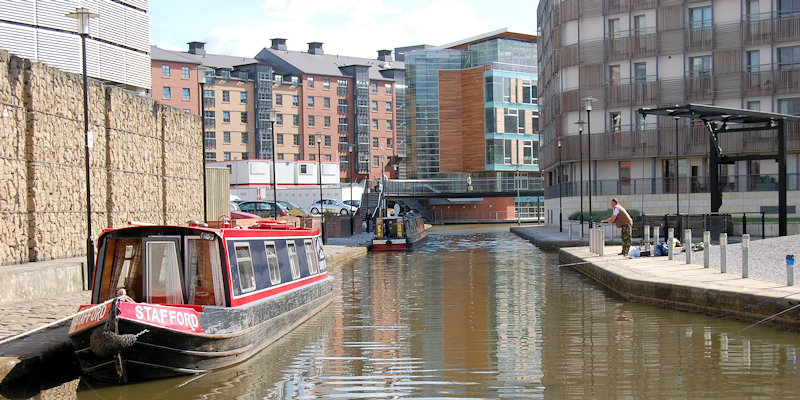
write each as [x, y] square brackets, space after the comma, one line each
[42, 279]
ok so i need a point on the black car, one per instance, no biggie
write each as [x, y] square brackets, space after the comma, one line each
[264, 209]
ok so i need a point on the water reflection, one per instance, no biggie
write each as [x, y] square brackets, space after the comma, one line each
[487, 315]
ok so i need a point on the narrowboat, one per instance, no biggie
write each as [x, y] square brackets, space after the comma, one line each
[400, 232]
[180, 300]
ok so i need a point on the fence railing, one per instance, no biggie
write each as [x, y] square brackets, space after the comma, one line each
[502, 184]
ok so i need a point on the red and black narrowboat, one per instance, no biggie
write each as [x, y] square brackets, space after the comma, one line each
[403, 232]
[172, 300]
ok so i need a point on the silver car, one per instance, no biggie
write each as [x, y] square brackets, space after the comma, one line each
[334, 206]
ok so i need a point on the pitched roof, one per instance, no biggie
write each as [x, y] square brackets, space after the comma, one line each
[210, 60]
[297, 62]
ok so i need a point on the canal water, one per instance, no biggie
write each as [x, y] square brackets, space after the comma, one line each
[480, 313]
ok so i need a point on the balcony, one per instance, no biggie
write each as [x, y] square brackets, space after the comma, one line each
[644, 45]
[757, 31]
[757, 83]
[699, 39]
[788, 28]
[699, 88]
[645, 93]
[618, 95]
[615, 6]
[618, 48]
[787, 81]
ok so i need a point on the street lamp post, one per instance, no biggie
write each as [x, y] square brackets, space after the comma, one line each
[350, 148]
[560, 186]
[383, 186]
[588, 103]
[677, 186]
[518, 202]
[644, 142]
[271, 115]
[321, 205]
[82, 15]
[201, 79]
[580, 156]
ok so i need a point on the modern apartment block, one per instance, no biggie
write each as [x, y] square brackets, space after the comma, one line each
[116, 47]
[228, 109]
[346, 103]
[472, 106]
[623, 55]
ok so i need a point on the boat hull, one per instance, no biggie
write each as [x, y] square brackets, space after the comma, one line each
[399, 244]
[229, 336]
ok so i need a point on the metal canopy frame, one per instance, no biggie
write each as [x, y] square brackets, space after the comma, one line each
[718, 120]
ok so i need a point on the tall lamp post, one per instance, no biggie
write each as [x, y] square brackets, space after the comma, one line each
[580, 157]
[560, 187]
[271, 115]
[350, 148]
[644, 143]
[201, 80]
[82, 15]
[588, 103]
[677, 185]
[321, 205]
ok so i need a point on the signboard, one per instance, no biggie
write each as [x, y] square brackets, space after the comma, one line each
[175, 318]
[90, 316]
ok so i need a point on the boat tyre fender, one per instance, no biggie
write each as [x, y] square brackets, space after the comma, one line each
[388, 243]
[105, 342]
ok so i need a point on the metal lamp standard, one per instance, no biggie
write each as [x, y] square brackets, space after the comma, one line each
[677, 184]
[321, 205]
[271, 115]
[580, 156]
[201, 79]
[560, 187]
[82, 15]
[588, 103]
[350, 148]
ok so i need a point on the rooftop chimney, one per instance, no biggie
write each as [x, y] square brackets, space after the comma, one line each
[385, 55]
[198, 48]
[315, 48]
[278, 44]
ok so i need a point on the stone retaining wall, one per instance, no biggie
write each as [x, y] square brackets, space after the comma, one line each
[145, 164]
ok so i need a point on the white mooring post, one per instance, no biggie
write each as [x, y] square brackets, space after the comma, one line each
[790, 269]
[647, 238]
[671, 243]
[706, 249]
[687, 245]
[745, 255]
[723, 252]
[569, 231]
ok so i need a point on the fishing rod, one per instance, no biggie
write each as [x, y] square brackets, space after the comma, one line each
[770, 317]
[752, 305]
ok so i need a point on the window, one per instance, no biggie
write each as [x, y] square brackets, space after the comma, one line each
[343, 126]
[789, 57]
[789, 106]
[226, 137]
[341, 88]
[244, 263]
[272, 263]
[375, 142]
[312, 157]
[374, 105]
[185, 73]
[278, 99]
[327, 140]
[295, 101]
[226, 75]
[326, 102]
[245, 156]
[754, 105]
[296, 141]
[613, 28]
[613, 74]
[615, 118]
[752, 10]
[640, 72]
[187, 94]
[226, 96]
[700, 17]
[295, 120]
[310, 259]
[211, 140]
[310, 82]
[279, 138]
[326, 83]
[389, 143]
[243, 75]
[211, 156]
[280, 156]
[788, 7]
[514, 120]
[641, 122]
[295, 267]
[278, 78]
[226, 156]
[244, 117]
[374, 87]
[327, 122]
[279, 119]
[303, 169]
[342, 106]
[388, 87]
[753, 61]
[639, 25]
[165, 71]
[311, 120]
[209, 118]
[243, 97]
[388, 106]
[388, 125]
[245, 138]
[327, 157]
[528, 92]
[226, 116]
[700, 66]
[312, 141]
[374, 124]
[166, 93]
[311, 101]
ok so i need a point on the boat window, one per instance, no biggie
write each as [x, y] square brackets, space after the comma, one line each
[204, 272]
[123, 269]
[310, 259]
[244, 262]
[162, 274]
[272, 263]
[293, 259]
[323, 266]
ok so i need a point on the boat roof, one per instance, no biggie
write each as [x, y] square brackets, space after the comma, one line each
[265, 228]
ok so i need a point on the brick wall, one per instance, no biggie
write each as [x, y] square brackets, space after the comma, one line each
[145, 164]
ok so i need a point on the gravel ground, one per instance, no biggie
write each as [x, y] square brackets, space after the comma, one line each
[767, 261]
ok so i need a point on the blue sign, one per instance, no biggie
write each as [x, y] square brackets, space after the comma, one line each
[790, 260]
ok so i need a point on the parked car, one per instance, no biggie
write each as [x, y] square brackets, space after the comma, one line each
[293, 209]
[354, 203]
[237, 213]
[264, 209]
[331, 205]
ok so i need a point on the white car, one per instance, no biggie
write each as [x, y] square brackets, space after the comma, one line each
[331, 205]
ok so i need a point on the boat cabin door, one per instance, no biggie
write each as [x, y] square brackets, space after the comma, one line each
[162, 274]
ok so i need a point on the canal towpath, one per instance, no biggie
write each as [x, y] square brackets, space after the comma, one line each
[27, 358]
[690, 287]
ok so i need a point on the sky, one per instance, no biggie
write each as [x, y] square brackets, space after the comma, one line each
[346, 27]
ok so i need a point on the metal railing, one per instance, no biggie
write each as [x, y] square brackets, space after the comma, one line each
[503, 184]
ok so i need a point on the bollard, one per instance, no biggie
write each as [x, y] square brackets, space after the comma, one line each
[706, 249]
[611, 228]
[723, 252]
[745, 255]
[671, 243]
[687, 245]
[569, 230]
[646, 238]
[656, 235]
[790, 269]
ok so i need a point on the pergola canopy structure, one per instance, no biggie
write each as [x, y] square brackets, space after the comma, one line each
[719, 120]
